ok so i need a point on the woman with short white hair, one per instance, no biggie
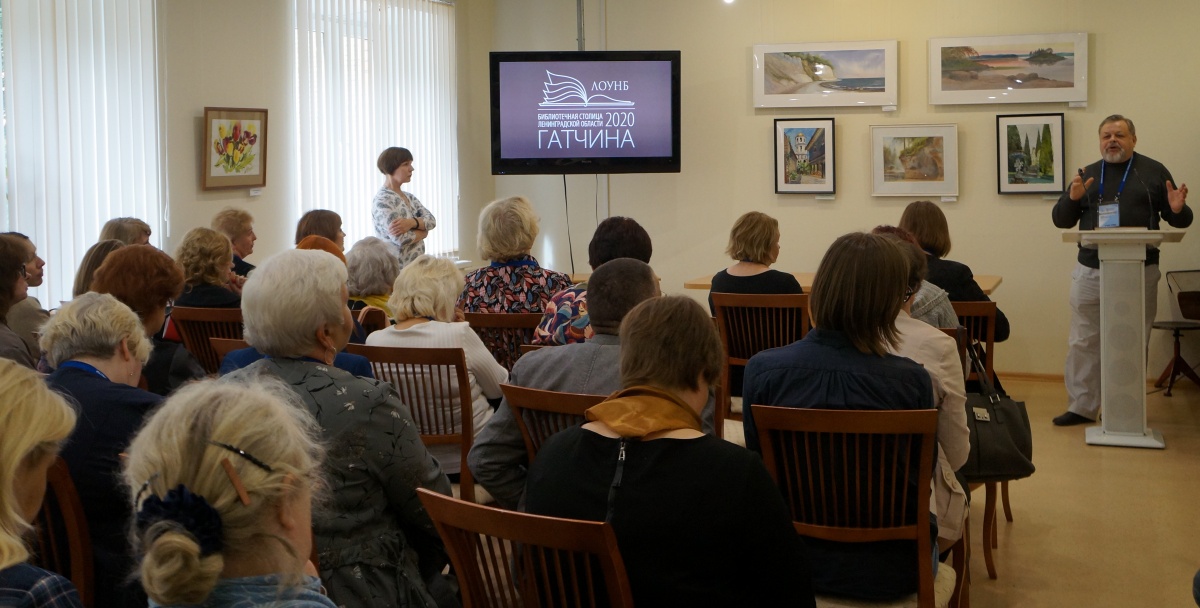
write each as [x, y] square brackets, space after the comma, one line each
[423, 300]
[98, 346]
[378, 546]
[372, 268]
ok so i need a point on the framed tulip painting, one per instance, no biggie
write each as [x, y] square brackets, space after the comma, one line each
[235, 148]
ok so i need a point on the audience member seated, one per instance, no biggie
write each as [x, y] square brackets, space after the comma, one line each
[513, 282]
[34, 422]
[843, 364]
[322, 222]
[566, 319]
[754, 243]
[222, 479]
[27, 316]
[92, 259]
[682, 503]
[238, 225]
[207, 260]
[498, 458]
[378, 546]
[372, 268]
[314, 242]
[128, 230]
[14, 258]
[97, 346]
[931, 303]
[357, 365]
[938, 354]
[146, 279]
[927, 223]
[423, 299]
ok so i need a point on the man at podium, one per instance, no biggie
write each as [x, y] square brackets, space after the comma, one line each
[1121, 189]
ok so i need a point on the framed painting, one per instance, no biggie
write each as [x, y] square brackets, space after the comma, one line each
[914, 160]
[826, 74]
[804, 155]
[1008, 69]
[235, 148]
[1029, 154]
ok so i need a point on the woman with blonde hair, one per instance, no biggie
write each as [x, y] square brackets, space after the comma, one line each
[207, 260]
[222, 479]
[754, 245]
[423, 301]
[513, 282]
[34, 422]
[238, 225]
[128, 230]
[98, 346]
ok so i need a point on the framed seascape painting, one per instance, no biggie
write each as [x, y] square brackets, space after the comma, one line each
[235, 148]
[804, 156]
[825, 74]
[1008, 69]
[914, 160]
[1029, 153]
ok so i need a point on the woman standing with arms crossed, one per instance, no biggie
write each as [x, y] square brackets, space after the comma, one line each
[400, 218]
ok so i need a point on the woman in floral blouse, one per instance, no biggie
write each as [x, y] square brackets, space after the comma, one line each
[400, 218]
[513, 282]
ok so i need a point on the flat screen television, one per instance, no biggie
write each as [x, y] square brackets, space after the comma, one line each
[562, 112]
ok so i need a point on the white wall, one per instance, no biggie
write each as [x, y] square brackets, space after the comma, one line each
[727, 144]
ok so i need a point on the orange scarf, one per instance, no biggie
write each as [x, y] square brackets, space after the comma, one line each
[640, 410]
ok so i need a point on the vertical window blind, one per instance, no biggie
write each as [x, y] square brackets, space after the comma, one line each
[371, 74]
[81, 136]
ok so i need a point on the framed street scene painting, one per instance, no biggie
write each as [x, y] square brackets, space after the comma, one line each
[804, 156]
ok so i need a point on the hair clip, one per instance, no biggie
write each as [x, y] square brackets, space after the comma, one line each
[236, 480]
[240, 452]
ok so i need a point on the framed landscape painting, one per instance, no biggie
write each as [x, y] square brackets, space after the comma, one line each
[1008, 69]
[804, 156]
[1029, 154]
[914, 160]
[235, 148]
[825, 74]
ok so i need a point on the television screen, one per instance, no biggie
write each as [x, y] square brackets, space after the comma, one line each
[585, 112]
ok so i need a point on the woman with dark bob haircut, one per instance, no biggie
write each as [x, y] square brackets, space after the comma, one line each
[400, 218]
[321, 222]
[642, 464]
[566, 320]
[844, 363]
[926, 221]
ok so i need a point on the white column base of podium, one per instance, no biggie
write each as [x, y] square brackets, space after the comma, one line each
[1096, 435]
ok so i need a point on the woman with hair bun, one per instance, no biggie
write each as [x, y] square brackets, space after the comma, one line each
[222, 478]
[34, 422]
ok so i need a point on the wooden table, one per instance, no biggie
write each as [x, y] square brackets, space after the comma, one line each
[987, 282]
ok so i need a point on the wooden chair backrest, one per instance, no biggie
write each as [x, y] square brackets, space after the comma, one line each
[1185, 284]
[750, 323]
[504, 332]
[960, 339]
[528, 348]
[979, 319]
[433, 383]
[373, 319]
[512, 559]
[540, 414]
[224, 346]
[63, 543]
[197, 325]
[855, 475]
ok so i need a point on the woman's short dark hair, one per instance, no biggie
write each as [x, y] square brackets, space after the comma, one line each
[142, 277]
[14, 253]
[619, 237]
[926, 221]
[614, 289]
[859, 288]
[392, 158]
[92, 260]
[918, 266]
[669, 342]
[319, 222]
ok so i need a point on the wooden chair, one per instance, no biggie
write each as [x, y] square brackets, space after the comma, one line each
[63, 543]
[433, 383]
[528, 348]
[504, 332]
[979, 319]
[1184, 286]
[849, 476]
[541, 414]
[224, 346]
[197, 325]
[960, 338]
[749, 324]
[373, 319]
[512, 559]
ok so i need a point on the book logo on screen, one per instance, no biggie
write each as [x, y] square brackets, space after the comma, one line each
[561, 91]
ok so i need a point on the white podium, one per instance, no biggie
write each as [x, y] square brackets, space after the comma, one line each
[1123, 333]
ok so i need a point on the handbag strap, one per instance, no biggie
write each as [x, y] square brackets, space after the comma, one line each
[985, 382]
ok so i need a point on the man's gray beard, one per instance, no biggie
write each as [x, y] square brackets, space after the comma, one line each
[1114, 157]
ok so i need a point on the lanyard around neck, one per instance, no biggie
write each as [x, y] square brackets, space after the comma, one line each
[91, 369]
[1120, 188]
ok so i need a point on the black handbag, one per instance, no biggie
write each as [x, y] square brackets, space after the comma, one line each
[1001, 441]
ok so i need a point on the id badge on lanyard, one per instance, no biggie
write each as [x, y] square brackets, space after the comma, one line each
[1109, 215]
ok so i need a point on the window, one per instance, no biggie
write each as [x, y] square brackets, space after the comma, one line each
[372, 74]
[81, 135]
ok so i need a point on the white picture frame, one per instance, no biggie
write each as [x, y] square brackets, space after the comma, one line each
[914, 160]
[1032, 68]
[826, 74]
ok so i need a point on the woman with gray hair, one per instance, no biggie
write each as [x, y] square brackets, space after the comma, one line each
[98, 346]
[378, 547]
[372, 266]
